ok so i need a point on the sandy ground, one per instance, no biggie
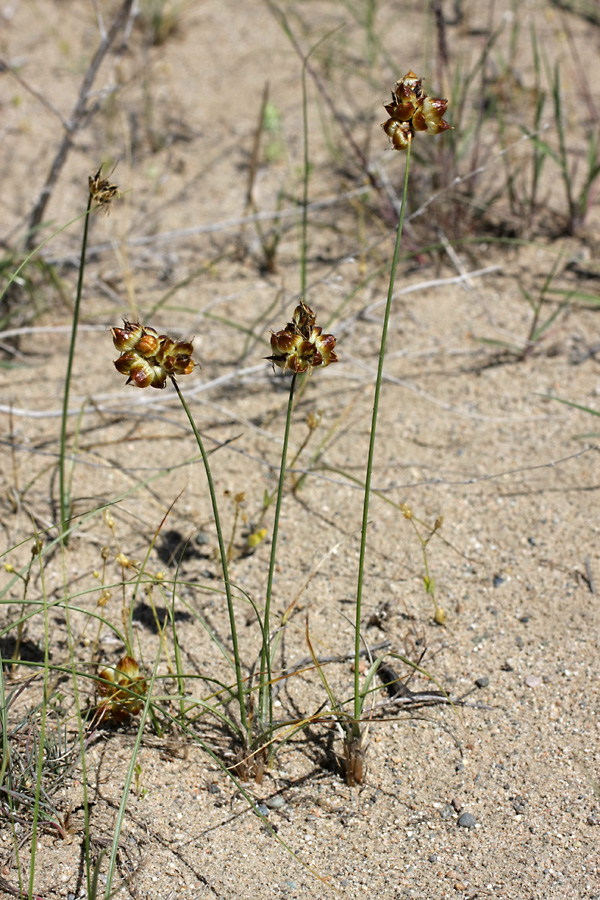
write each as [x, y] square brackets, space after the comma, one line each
[466, 432]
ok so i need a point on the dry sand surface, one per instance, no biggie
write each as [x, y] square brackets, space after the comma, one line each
[467, 431]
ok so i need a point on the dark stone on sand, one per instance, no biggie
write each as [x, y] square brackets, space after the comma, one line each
[467, 821]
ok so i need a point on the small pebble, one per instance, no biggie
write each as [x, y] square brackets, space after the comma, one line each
[276, 802]
[482, 682]
[498, 580]
[467, 821]
[262, 809]
[518, 804]
[290, 884]
[432, 857]
[533, 681]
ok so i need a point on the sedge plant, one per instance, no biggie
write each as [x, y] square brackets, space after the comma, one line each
[298, 348]
[150, 360]
[410, 111]
[101, 193]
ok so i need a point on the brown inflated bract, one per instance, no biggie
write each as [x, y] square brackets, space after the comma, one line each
[411, 110]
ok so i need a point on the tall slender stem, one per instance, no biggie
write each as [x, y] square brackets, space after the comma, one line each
[224, 566]
[266, 688]
[305, 179]
[369, 472]
[65, 498]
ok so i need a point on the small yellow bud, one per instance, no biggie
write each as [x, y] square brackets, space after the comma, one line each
[406, 511]
[9, 568]
[104, 598]
[124, 561]
[256, 538]
[313, 419]
[440, 616]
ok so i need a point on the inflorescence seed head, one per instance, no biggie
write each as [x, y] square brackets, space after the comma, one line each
[123, 689]
[102, 191]
[301, 345]
[411, 110]
[147, 358]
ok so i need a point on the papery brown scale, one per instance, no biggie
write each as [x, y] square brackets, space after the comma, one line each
[124, 363]
[185, 348]
[402, 112]
[126, 338]
[141, 373]
[295, 363]
[283, 341]
[433, 110]
[411, 78]
[106, 675]
[329, 340]
[165, 345]
[129, 668]
[325, 350]
[182, 365]
[159, 378]
[304, 318]
[305, 354]
[419, 123]
[148, 345]
[400, 133]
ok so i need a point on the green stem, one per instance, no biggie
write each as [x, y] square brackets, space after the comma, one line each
[81, 736]
[42, 733]
[65, 500]
[369, 472]
[266, 688]
[224, 566]
[305, 179]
